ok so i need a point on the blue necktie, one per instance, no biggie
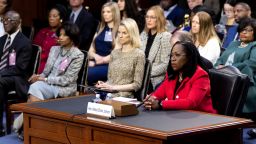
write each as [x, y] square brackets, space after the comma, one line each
[72, 18]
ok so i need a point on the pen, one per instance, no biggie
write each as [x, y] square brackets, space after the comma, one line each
[144, 100]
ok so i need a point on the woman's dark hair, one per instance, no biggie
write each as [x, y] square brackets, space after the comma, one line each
[62, 11]
[231, 2]
[203, 8]
[72, 31]
[8, 5]
[244, 22]
[194, 59]
[130, 9]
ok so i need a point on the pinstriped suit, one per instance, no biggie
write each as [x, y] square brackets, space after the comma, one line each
[159, 55]
[64, 81]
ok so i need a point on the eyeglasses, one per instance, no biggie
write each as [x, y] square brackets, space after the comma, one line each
[3, 20]
[150, 17]
[247, 30]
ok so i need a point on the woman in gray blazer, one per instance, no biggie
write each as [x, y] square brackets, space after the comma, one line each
[156, 44]
[61, 70]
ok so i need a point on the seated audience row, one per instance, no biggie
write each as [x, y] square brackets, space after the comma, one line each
[46, 37]
[15, 57]
[176, 65]
[241, 11]
[242, 54]
[154, 39]
[127, 61]
[205, 37]
[103, 43]
[156, 44]
[60, 74]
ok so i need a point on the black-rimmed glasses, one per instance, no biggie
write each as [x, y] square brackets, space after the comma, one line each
[3, 20]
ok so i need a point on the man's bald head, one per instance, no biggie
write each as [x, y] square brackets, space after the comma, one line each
[11, 21]
[242, 10]
[182, 36]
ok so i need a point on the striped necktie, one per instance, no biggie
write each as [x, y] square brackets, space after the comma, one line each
[4, 58]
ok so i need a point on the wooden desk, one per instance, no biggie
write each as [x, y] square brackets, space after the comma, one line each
[47, 122]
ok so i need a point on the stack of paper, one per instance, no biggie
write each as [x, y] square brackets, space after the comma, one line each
[128, 100]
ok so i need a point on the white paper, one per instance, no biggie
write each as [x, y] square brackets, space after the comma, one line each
[128, 100]
[124, 99]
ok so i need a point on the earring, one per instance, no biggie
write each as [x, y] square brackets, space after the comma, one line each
[60, 20]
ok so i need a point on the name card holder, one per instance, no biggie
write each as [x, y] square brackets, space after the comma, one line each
[100, 110]
[122, 108]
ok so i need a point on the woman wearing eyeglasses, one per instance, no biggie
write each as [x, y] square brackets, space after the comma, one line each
[242, 54]
[187, 85]
[156, 44]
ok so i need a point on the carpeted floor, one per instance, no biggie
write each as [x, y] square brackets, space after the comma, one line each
[10, 139]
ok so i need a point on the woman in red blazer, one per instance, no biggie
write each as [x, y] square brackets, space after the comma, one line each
[187, 84]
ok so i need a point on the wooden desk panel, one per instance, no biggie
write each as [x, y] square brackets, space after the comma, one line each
[41, 130]
[45, 122]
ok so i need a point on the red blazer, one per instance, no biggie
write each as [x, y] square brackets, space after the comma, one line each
[46, 39]
[193, 93]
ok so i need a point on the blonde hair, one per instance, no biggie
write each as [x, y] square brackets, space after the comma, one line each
[161, 23]
[133, 31]
[206, 30]
[116, 19]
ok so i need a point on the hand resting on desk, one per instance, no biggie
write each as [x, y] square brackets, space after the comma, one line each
[105, 86]
[151, 102]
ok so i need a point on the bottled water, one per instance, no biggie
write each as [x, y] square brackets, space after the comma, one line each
[97, 99]
[109, 96]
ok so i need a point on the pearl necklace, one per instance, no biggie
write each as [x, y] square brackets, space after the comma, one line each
[242, 45]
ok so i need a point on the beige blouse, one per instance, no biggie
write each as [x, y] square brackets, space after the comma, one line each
[126, 68]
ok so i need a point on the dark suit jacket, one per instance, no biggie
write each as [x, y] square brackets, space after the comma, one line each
[22, 46]
[87, 27]
[176, 16]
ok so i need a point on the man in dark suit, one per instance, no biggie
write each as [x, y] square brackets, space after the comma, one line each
[15, 54]
[173, 13]
[85, 21]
